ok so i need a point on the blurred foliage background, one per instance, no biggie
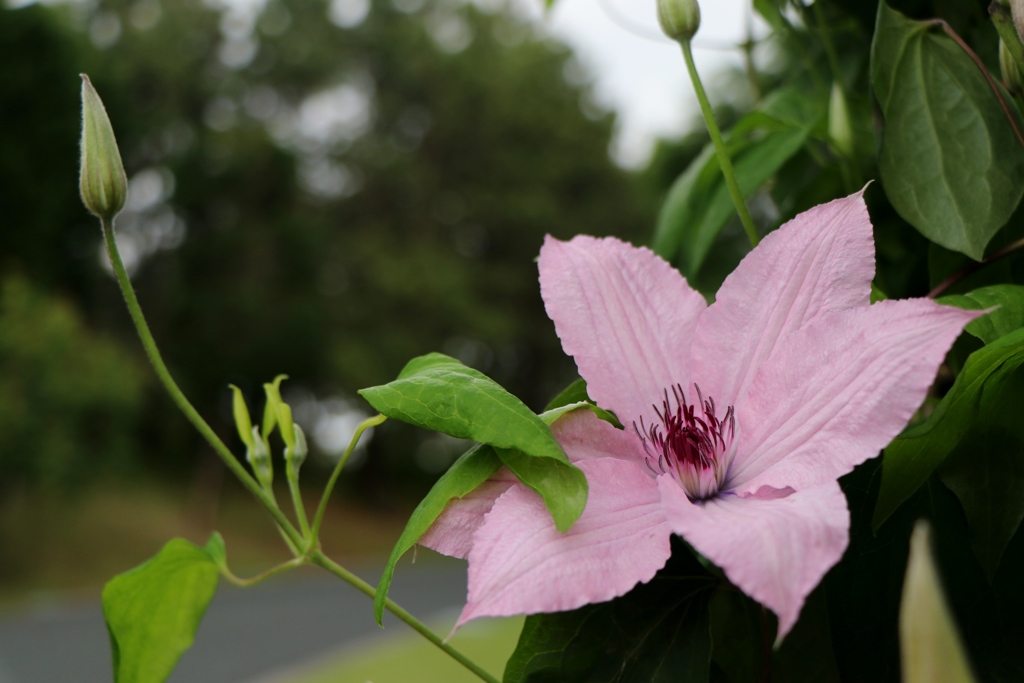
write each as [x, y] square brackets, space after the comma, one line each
[318, 189]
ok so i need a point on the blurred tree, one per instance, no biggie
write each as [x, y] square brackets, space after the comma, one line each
[321, 189]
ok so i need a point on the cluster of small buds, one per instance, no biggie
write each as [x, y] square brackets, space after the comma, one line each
[276, 414]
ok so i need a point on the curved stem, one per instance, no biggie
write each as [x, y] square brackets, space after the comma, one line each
[723, 156]
[176, 394]
[964, 272]
[318, 520]
[230, 576]
[321, 560]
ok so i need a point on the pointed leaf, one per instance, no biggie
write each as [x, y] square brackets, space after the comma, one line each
[1008, 302]
[440, 393]
[914, 455]
[467, 473]
[154, 610]
[950, 161]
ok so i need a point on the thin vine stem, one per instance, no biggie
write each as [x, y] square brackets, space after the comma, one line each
[273, 571]
[716, 138]
[322, 509]
[968, 270]
[984, 72]
[193, 416]
[321, 560]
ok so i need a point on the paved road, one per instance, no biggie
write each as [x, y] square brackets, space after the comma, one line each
[247, 634]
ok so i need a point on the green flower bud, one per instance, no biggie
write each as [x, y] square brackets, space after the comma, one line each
[679, 19]
[103, 184]
[242, 420]
[284, 421]
[1008, 67]
[296, 455]
[273, 392]
[258, 456]
[840, 130]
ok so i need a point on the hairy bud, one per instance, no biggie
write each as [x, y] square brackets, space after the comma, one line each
[680, 19]
[103, 183]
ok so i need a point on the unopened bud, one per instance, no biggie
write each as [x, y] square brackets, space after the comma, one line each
[840, 131]
[296, 455]
[258, 456]
[242, 420]
[1011, 74]
[680, 19]
[273, 392]
[103, 183]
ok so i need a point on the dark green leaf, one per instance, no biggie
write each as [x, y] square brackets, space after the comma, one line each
[950, 162]
[986, 470]
[153, 611]
[699, 205]
[909, 459]
[471, 470]
[1008, 300]
[769, 10]
[440, 393]
[656, 633]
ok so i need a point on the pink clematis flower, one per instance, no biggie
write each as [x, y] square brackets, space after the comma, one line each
[740, 417]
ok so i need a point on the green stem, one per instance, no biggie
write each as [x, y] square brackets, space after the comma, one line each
[245, 583]
[321, 560]
[723, 156]
[318, 520]
[300, 511]
[176, 394]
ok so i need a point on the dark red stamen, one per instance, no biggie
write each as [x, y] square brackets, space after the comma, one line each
[685, 439]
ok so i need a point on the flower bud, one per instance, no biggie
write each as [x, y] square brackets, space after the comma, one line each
[296, 455]
[840, 131]
[103, 183]
[273, 392]
[258, 456]
[680, 19]
[1008, 67]
[242, 420]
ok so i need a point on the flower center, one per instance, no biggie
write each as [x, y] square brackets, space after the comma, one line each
[690, 442]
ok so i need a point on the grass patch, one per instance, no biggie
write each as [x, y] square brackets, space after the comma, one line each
[408, 657]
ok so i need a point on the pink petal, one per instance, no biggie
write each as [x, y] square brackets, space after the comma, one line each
[840, 391]
[624, 314]
[585, 436]
[820, 262]
[774, 549]
[520, 564]
[452, 532]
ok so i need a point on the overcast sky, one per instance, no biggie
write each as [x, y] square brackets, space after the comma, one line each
[640, 73]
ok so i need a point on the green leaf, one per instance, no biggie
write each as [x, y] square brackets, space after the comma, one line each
[563, 487]
[914, 455]
[986, 470]
[769, 10]
[217, 551]
[153, 611]
[932, 651]
[440, 393]
[471, 470]
[698, 204]
[1008, 300]
[656, 633]
[950, 162]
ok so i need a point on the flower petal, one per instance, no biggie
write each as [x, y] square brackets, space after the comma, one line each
[820, 262]
[840, 391]
[585, 436]
[624, 314]
[452, 532]
[520, 564]
[775, 549]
